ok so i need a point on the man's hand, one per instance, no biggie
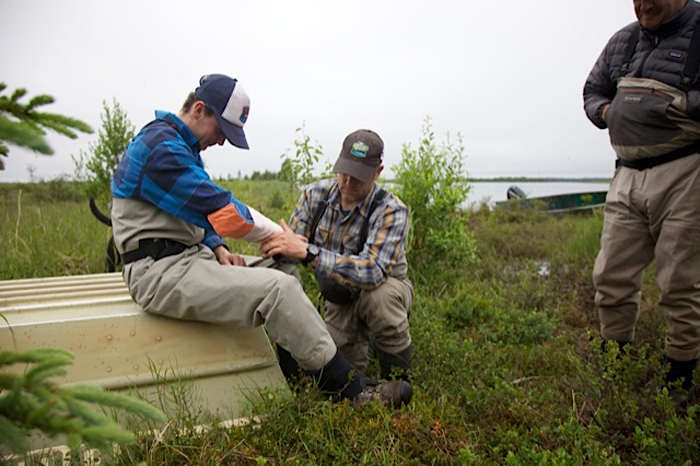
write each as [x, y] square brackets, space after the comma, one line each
[226, 258]
[287, 243]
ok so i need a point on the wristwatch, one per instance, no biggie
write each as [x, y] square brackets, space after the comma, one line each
[311, 254]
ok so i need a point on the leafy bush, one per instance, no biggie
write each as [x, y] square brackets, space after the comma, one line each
[298, 169]
[432, 183]
[98, 165]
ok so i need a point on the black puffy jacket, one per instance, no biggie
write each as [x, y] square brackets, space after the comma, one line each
[659, 55]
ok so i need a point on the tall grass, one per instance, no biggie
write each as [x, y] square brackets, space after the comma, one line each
[42, 236]
[47, 229]
[508, 368]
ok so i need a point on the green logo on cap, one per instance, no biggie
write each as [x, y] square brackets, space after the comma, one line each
[359, 149]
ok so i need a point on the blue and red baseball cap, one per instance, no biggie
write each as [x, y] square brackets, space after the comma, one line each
[230, 104]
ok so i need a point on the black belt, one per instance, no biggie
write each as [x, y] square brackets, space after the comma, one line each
[643, 164]
[155, 248]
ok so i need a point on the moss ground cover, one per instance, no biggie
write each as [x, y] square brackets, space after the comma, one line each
[508, 367]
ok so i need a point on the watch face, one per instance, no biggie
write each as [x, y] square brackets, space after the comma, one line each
[313, 250]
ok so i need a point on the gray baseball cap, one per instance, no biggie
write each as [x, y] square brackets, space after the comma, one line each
[361, 155]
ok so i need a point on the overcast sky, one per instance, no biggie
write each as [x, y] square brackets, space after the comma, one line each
[508, 75]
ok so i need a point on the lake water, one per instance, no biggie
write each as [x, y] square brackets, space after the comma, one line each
[493, 192]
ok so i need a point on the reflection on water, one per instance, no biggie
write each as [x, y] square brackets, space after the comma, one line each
[495, 191]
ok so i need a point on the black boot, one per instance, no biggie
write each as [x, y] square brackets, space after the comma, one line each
[338, 378]
[394, 364]
[290, 368]
[681, 371]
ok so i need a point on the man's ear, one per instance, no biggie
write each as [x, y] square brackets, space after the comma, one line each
[379, 172]
[198, 109]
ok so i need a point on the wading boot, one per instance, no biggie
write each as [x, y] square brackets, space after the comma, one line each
[681, 371]
[290, 367]
[394, 365]
[392, 394]
[339, 379]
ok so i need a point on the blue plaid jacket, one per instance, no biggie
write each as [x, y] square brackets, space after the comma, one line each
[162, 166]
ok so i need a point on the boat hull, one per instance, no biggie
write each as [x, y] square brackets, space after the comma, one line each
[560, 203]
[119, 347]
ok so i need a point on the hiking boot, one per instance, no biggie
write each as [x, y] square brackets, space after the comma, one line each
[390, 394]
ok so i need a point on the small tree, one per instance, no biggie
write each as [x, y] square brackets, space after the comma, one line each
[298, 169]
[286, 170]
[31, 401]
[432, 182]
[97, 166]
[23, 126]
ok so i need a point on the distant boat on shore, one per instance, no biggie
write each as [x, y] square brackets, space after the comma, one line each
[560, 203]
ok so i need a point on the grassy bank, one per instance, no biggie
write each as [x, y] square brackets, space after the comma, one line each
[507, 362]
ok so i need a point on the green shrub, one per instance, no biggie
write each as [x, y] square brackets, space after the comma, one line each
[431, 181]
[98, 165]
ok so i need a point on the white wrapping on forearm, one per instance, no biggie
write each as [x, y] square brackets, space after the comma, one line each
[263, 228]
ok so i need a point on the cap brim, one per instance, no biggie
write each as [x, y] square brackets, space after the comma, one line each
[357, 170]
[234, 134]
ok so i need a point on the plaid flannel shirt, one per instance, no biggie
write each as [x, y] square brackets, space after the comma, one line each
[337, 236]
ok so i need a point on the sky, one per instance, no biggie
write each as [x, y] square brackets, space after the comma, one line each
[506, 75]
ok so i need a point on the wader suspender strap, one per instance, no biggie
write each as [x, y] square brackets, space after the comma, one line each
[692, 63]
[365, 227]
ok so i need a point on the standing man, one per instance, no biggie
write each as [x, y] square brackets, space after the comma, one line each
[168, 219]
[644, 88]
[353, 234]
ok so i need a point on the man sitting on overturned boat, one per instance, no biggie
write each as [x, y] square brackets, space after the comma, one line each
[168, 218]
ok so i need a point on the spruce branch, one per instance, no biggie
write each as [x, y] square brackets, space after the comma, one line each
[30, 401]
[23, 126]
[23, 135]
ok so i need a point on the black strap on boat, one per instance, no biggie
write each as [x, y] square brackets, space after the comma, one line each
[643, 164]
[365, 227]
[156, 248]
[692, 61]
